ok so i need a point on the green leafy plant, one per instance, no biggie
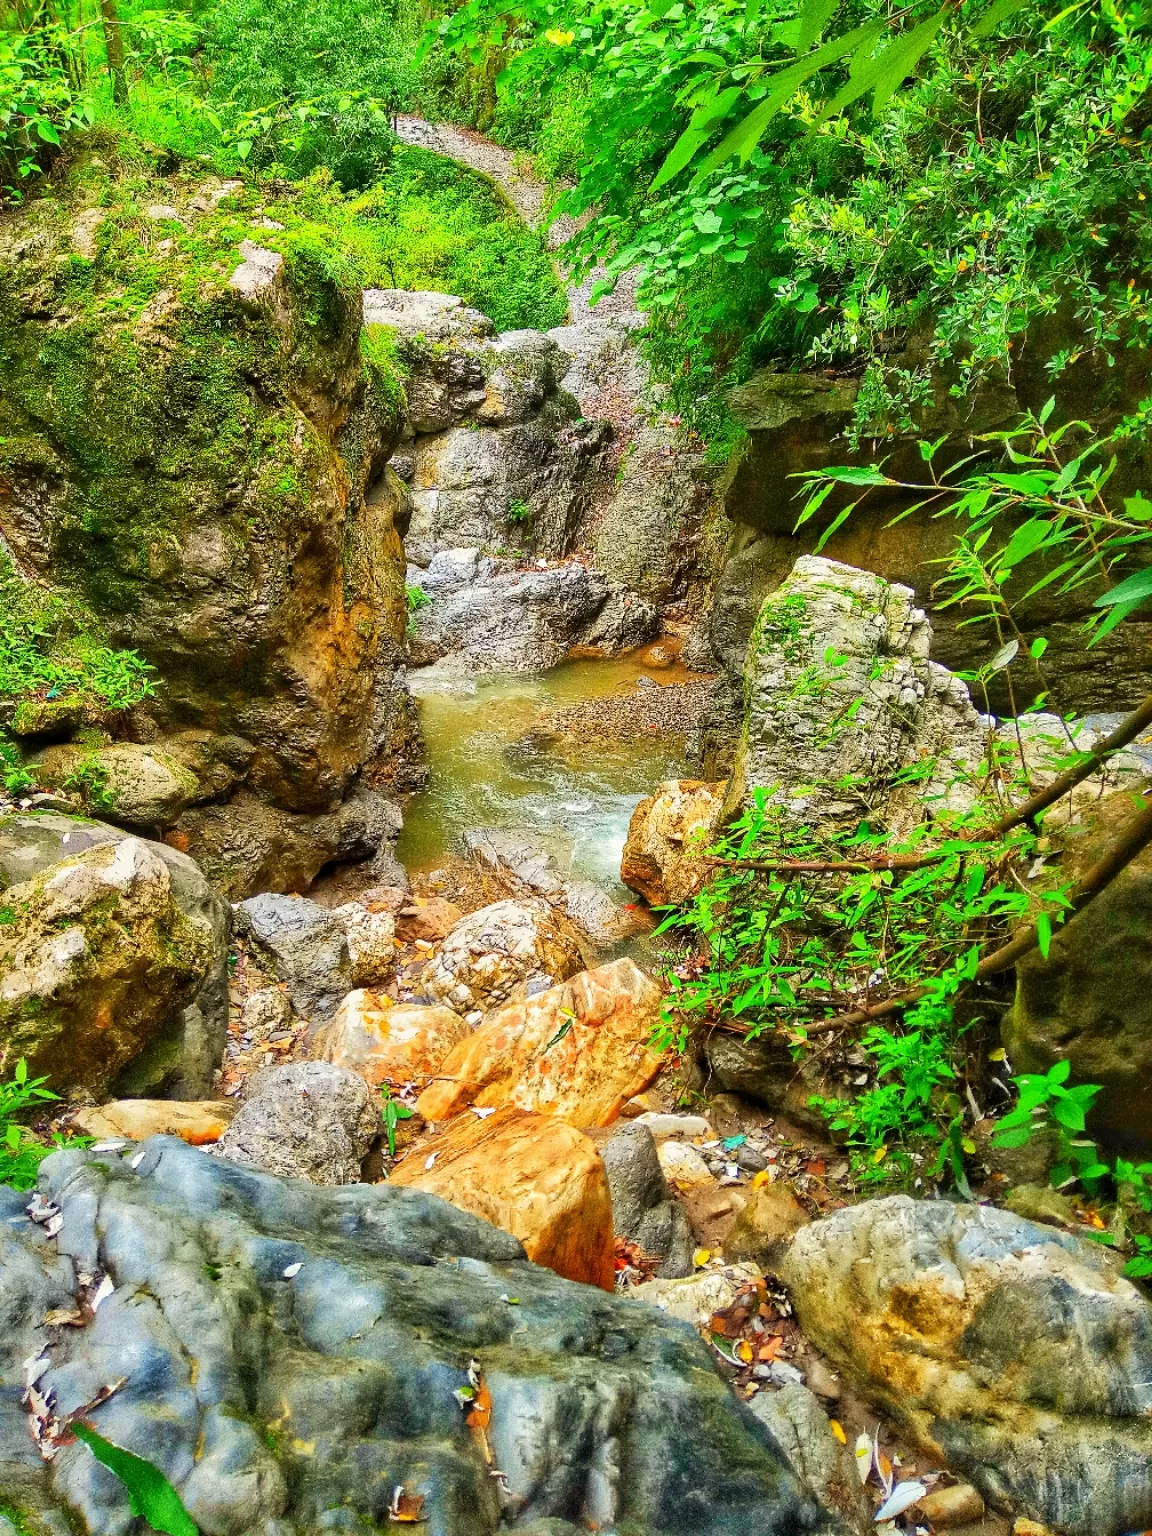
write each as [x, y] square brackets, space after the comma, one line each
[20, 1153]
[519, 511]
[151, 1497]
[392, 1111]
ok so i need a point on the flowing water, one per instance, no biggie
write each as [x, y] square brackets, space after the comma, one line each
[492, 766]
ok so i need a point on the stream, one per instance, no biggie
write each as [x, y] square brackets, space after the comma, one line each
[492, 765]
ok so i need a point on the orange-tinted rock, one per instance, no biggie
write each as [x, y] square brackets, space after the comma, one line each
[532, 1175]
[428, 918]
[666, 836]
[199, 1124]
[385, 1043]
[579, 1051]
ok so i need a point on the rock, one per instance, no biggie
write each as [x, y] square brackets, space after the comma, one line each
[371, 942]
[579, 1051]
[799, 744]
[763, 1230]
[1029, 1164]
[1090, 1001]
[800, 1428]
[712, 1210]
[430, 918]
[683, 1166]
[248, 847]
[1039, 1202]
[265, 1012]
[302, 1348]
[307, 1120]
[696, 1298]
[434, 317]
[137, 786]
[113, 960]
[307, 947]
[198, 1124]
[527, 621]
[504, 952]
[1016, 1353]
[527, 865]
[642, 1206]
[258, 271]
[822, 1381]
[763, 1069]
[385, 1043]
[666, 1127]
[531, 1175]
[957, 1504]
[667, 833]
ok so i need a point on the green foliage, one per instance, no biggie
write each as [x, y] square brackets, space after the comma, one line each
[519, 511]
[151, 1496]
[392, 1111]
[21, 1154]
[39, 99]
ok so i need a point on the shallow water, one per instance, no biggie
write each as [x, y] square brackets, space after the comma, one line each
[487, 770]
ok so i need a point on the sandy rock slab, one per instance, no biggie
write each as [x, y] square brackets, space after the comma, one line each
[579, 1051]
[292, 1352]
[199, 1124]
[531, 1175]
[1016, 1353]
[386, 1043]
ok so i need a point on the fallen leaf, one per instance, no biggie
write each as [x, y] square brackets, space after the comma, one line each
[292, 1271]
[60, 1317]
[406, 1508]
[817, 1167]
[102, 1292]
[701, 1257]
[770, 1350]
[744, 1350]
[902, 1497]
[863, 1455]
[838, 1430]
[760, 1179]
[428, 1161]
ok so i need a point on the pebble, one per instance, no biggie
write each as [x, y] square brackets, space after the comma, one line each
[824, 1382]
[751, 1160]
[958, 1505]
[675, 1127]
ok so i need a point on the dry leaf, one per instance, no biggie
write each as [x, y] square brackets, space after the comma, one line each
[406, 1508]
[770, 1350]
[760, 1179]
[838, 1430]
[744, 1350]
[60, 1317]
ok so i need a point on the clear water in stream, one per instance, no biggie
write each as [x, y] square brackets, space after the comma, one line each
[487, 770]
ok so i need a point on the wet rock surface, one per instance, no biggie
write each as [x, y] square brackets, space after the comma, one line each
[1015, 1351]
[286, 1351]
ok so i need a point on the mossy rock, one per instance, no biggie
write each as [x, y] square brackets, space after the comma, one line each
[132, 785]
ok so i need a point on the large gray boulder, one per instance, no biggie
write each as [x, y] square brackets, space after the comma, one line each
[838, 687]
[306, 1120]
[290, 1357]
[643, 1208]
[1015, 1352]
[133, 1007]
[306, 946]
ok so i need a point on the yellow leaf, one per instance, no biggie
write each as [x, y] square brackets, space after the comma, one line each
[760, 1179]
[880, 1154]
[744, 1350]
[997, 1055]
[559, 39]
[701, 1257]
[968, 1144]
[838, 1431]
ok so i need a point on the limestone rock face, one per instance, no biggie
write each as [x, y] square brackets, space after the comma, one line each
[525, 863]
[137, 786]
[388, 1044]
[113, 960]
[1015, 1352]
[531, 1175]
[293, 1351]
[306, 944]
[199, 1123]
[511, 949]
[486, 617]
[307, 1120]
[667, 833]
[1090, 1001]
[838, 685]
[371, 942]
[579, 1051]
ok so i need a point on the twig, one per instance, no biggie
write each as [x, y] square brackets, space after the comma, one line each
[1097, 879]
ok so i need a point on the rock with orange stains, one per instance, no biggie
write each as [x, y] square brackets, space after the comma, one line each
[503, 952]
[531, 1175]
[199, 1124]
[578, 1051]
[385, 1043]
[666, 837]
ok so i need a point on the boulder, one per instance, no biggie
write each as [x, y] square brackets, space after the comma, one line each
[695, 1298]
[307, 947]
[801, 1429]
[531, 1175]
[668, 832]
[525, 864]
[507, 951]
[1014, 1352]
[371, 942]
[138, 786]
[684, 1166]
[769, 1220]
[763, 1069]
[307, 1120]
[1090, 1000]
[430, 317]
[385, 1043]
[525, 620]
[579, 1050]
[265, 1012]
[643, 1209]
[957, 1504]
[427, 917]
[199, 1123]
[291, 1356]
[113, 960]
[838, 685]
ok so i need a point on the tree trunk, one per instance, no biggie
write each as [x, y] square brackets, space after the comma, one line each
[114, 45]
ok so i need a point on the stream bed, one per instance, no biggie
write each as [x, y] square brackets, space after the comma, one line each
[494, 762]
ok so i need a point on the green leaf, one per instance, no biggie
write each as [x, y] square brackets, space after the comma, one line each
[886, 71]
[1044, 933]
[814, 17]
[150, 1494]
[1136, 589]
[1069, 1115]
[1060, 1072]
[1138, 508]
[699, 130]
[988, 24]
[1038, 647]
